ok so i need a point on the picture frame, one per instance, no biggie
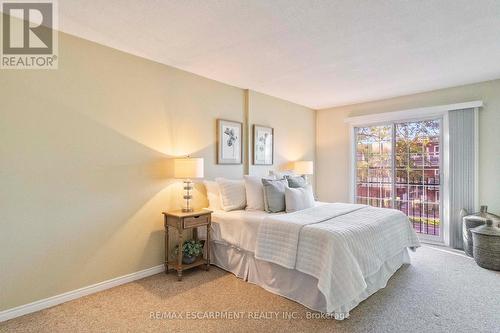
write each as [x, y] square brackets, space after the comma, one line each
[263, 145]
[229, 142]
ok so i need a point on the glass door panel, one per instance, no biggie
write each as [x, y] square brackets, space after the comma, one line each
[417, 155]
[374, 165]
[398, 166]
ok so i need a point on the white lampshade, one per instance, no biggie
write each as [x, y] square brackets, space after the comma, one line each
[303, 167]
[188, 168]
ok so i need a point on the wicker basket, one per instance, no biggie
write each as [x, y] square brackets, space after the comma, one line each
[486, 248]
[470, 222]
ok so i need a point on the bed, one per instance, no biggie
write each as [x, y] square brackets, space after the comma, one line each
[328, 258]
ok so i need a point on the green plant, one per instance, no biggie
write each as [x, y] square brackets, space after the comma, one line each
[191, 248]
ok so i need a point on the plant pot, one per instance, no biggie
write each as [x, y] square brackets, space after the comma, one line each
[188, 260]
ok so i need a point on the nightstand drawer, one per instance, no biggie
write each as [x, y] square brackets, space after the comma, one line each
[195, 221]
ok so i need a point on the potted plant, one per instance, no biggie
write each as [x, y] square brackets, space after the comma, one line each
[191, 250]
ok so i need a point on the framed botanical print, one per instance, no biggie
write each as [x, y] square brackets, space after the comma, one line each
[263, 145]
[229, 142]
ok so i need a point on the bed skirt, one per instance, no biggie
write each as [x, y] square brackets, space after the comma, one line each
[294, 285]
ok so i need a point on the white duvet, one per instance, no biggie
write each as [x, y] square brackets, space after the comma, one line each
[339, 244]
[237, 228]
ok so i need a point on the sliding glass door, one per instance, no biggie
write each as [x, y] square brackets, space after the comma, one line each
[398, 166]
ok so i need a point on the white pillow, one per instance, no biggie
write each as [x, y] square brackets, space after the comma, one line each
[254, 192]
[213, 195]
[232, 193]
[298, 198]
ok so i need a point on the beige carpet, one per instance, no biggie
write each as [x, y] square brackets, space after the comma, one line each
[440, 292]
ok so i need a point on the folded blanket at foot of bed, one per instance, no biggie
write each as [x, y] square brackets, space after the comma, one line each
[339, 244]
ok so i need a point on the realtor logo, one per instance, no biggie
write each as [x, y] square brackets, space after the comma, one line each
[29, 38]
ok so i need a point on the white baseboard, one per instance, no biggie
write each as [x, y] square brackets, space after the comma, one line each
[71, 295]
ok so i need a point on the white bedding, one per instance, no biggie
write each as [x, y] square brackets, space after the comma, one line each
[237, 228]
[278, 236]
[341, 245]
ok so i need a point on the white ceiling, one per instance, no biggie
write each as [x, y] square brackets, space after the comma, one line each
[311, 52]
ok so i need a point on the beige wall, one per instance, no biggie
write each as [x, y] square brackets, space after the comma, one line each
[83, 163]
[333, 138]
[294, 130]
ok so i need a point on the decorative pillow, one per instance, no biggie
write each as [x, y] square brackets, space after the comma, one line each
[213, 195]
[298, 198]
[232, 193]
[280, 174]
[254, 192]
[274, 195]
[296, 181]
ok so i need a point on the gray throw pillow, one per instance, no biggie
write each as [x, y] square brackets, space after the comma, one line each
[296, 181]
[274, 195]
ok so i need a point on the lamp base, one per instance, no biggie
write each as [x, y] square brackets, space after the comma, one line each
[188, 186]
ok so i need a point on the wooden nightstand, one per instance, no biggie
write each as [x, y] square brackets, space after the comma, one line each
[183, 221]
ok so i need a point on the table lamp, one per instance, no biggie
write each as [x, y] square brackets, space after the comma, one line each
[303, 168]
[187, 169]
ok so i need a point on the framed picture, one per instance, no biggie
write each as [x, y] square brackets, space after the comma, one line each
[229, 142]
[263, 145]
